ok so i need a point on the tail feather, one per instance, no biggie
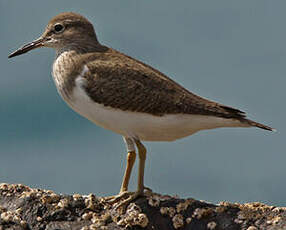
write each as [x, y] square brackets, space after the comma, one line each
[259, 125]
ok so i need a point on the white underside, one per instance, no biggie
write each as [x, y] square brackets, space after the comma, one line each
[143, 126]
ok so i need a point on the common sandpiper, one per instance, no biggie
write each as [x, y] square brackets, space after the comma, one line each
[124, 95]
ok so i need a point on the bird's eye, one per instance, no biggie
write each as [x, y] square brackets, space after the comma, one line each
[59, 28]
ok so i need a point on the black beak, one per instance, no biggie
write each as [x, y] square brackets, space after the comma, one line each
[26, 48]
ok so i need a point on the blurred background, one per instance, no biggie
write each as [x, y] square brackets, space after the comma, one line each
[230, 51]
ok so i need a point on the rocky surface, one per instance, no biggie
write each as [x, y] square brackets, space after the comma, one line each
[24, 208]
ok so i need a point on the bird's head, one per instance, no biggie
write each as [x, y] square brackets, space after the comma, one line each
[64, 31]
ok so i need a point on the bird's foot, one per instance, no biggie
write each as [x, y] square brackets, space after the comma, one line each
[132, 196]
[124, 198]
[116, 198]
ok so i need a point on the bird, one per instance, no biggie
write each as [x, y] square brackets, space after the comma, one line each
[125, 95]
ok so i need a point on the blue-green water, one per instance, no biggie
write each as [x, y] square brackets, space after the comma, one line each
[230, 51]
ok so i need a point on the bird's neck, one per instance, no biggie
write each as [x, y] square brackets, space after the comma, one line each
[85, 47]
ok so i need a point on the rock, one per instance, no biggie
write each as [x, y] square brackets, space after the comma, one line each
[24, 208]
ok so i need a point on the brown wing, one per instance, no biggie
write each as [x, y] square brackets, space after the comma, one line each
[121, 82]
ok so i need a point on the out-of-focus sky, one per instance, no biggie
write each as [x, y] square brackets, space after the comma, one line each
[230, 51]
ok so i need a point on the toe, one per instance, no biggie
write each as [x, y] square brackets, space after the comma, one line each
[131, 198]
[116, 198]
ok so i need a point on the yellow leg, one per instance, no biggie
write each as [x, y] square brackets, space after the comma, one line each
[140, 184]
[131, 157]
[142, 158]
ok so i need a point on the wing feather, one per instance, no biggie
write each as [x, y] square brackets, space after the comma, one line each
[121, 82]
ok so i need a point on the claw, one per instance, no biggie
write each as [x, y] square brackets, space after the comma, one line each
[116, 198]
[127, 201]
